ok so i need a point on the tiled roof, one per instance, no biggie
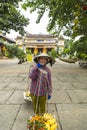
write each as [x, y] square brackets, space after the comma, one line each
[9, 39]
[39, 36]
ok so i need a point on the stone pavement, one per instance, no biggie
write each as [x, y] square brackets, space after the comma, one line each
[68, 103]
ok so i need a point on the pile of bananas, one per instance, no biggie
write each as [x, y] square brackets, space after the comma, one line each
[45, 122]
[50, 122]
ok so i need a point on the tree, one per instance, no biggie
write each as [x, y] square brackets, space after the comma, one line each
[12, 51]
[66, 15]
[10, 17]
[69, 48]
[81, 45]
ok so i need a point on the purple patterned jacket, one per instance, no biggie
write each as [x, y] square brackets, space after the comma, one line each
[41, 83]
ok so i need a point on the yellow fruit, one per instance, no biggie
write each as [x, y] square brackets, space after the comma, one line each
[47, 116]
[27, 94]
[51, 121]
[53, 127]
[47, 126]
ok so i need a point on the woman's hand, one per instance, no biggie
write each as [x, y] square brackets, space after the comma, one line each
[49, 97]
[39, 65]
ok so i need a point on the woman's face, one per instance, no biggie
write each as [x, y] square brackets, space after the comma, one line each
[42, 60]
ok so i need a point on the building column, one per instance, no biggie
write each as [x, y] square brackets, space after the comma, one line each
[35, 50]
[44, 50]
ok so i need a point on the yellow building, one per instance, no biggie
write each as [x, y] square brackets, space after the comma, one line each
[37, 43]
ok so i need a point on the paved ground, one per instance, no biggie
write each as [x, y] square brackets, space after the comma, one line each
[68, 103]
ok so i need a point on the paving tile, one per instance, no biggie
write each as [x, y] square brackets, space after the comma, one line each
[13, 79]
[62, 85]
[72, 116]
[16, 98]
[3, 85]
[80, 85]
[8, 115]
[5, 95]
[16, 86]
[78, 96]
[59, 96]
[67, 79]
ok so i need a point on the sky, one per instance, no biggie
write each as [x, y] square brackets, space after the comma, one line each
[32, 28]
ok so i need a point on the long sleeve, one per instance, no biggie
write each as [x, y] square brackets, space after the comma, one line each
[40, 81]
[33, 73]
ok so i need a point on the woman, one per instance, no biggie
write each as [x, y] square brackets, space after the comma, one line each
[41, 84]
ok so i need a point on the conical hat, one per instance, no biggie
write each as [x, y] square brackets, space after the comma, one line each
[42, 55]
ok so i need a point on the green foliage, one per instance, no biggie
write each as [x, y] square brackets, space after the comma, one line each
[66, 51]
[66, 15]
[20, 54]
[81, 45]
[8, 54]
[10, 51]
[13, 50]
[69, 48]
[53, 53]
[81, 48]
[28, 51]
[82, 56]
[10, 17]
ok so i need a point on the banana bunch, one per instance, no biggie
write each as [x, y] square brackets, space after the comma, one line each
[47, 116]
[50, 122]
